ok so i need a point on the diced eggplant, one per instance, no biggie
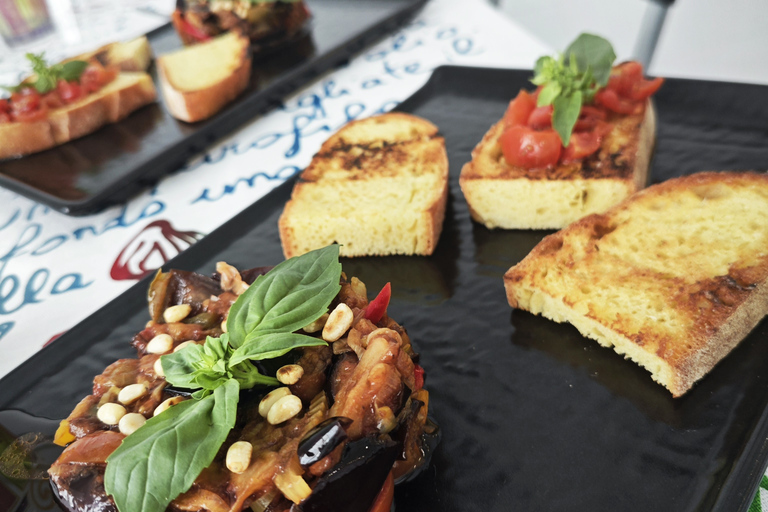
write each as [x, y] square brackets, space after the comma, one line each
[322, 440]
[353, 484]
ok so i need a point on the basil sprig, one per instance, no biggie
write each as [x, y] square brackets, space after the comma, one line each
[572, 79]
[47, 77]
[163, 458]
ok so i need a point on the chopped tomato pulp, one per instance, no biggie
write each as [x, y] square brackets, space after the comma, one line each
[529, 141]
[28, 105]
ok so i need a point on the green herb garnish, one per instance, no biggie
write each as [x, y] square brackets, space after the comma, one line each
[163, 458]
[572, 79]
[47, 77]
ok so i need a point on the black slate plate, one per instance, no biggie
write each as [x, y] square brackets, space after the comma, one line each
[117, 161]
[534, 416]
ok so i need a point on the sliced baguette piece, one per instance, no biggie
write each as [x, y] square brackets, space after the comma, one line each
[133, 55]
[672, 278]
[115, 101]
[379, 186]
[200, 80]
[502, 196]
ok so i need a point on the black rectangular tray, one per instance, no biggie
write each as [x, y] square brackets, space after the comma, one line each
[534, 416]
[115, 162]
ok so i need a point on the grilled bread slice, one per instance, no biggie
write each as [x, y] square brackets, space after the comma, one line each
[379, 186]
[672, 278]
[133, 55]
[503, 196]
[115, 101]
[200, 80]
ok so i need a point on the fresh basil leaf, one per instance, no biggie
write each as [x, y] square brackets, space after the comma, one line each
[180, 367]
[565, 114]
[272, 345]
[593, 52]
[248, 376]
[293, 294]
[548, 94]
[163, 458]
[73, 70]
[45, 83]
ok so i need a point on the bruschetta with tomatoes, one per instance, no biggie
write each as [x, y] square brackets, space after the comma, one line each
[66, 101]
[524, 176]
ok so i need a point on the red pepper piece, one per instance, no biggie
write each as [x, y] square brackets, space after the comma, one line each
[378, 306]
[419, 374]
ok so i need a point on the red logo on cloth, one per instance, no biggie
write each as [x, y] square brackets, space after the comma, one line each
[157, 243]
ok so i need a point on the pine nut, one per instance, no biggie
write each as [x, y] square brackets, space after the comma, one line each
[131, 393]
[167, 405]
[110, 413]
[224, 325]
[158, 367]
[290, 374]
[270, 398]
[284, 409]
[339, 321]
[239, 456]
[184, 344]
[131, 422]
[176, 313]
[160, 344]
[317, 324]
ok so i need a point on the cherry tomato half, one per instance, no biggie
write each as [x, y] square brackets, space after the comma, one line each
[519, 109]
[541, 118]
[588, 118]
[95, 77]
[609, 99]
[525, 147]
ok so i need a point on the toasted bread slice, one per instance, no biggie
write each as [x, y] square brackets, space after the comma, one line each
[502, 196]
[200, 80]
[377, 187]
[126, 93]
[134, 55]
[672, 278]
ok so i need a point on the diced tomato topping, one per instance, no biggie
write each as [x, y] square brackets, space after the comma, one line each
[525, 147]
[192, 31]
[583, 144]
[628, 84]
[529, 141]
[541, 118]
[69, 92]
[419, 374]
[589, 117]
[26, 106]
[5, 111]
[519, 109]
[51, 100]
[643, 89]
[95, 77]
[378, 306]
[609, 99]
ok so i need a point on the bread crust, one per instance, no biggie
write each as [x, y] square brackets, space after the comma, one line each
[359, 166]
[127, 93]
[701, 316]
[620, 166]
[200, 104]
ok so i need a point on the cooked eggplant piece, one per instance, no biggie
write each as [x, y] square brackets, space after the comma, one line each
[321, 441]
[352, 485]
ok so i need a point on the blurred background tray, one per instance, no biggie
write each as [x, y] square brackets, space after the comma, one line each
[115, 162]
